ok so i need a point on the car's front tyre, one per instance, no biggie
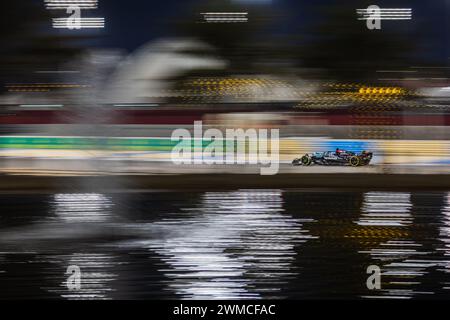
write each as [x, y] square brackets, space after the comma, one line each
[306, 160]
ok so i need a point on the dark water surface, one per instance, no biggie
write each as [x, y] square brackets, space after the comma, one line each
[242, 244]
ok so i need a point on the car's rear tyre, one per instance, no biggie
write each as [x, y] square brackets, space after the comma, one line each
[306, 161]
[354, 161]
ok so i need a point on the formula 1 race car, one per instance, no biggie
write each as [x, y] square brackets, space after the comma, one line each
[338, 157]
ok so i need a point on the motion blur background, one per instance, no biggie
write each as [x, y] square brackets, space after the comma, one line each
[116, 88]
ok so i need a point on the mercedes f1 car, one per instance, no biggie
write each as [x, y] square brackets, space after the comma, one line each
[338, 157]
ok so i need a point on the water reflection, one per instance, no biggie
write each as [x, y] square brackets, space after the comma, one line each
[235, 245]
[399, 257]
[244, 244]
[82, 207]
[444, 236]
[386, 209]
[97, 275]
[96, 268]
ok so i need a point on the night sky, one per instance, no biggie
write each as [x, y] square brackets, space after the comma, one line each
[132, 23]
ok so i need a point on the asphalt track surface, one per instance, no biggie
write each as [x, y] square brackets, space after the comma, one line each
[19, 174]
[111, 166]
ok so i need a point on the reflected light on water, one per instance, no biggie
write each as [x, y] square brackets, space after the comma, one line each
[444, 236]
[386, 209]
[82, 207]
[236, 245]
[241, 244]
[97, 275]
[398, 256]
[96, 268]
